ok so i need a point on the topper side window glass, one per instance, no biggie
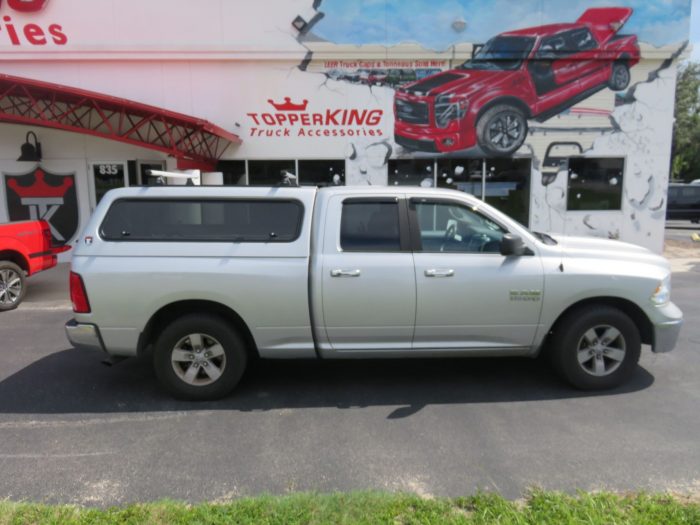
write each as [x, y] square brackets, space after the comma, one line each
[190, 220]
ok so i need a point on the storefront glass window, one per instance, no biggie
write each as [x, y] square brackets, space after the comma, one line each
[460, 174]
[322, 173]
[507, 182]
[595, 184]
[508, 187]
[268, 172]
[411, 172]
[234, 172]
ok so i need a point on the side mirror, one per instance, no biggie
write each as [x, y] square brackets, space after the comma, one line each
[512, 245]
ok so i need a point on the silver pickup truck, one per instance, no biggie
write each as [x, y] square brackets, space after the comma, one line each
[204, 279]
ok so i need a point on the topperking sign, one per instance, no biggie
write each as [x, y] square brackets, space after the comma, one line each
[294, 119]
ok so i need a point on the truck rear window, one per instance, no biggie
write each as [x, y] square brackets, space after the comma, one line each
[196, 220]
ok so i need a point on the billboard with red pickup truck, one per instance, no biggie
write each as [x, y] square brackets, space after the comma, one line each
[528, 74]
[26, 248]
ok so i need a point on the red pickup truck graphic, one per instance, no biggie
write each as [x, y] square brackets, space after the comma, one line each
[532, 73]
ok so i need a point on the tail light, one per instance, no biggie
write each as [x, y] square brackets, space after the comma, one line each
[78, 295]
[46, 235]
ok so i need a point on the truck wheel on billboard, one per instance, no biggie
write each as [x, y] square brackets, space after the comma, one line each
[501, 130]
[619, 76]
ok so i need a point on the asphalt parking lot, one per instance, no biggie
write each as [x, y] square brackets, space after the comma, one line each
[73, 430]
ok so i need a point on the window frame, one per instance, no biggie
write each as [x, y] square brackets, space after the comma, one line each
[566, 51]
[404, 229]
[296, 202]
[414, 223]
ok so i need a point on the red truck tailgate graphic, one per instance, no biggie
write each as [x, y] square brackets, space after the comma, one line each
[604, 22]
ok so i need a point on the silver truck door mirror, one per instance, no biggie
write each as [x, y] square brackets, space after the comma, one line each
[512, 245]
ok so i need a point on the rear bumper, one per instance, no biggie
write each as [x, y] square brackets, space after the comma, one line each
[83, 335]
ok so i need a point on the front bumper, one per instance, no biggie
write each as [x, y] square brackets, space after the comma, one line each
[432, 140]
[666, 336]
[83, 335]
[666, 323]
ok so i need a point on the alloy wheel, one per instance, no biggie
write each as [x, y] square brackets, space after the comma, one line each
[621, 77]
[601, 350]
[506, 130]
[10, 287]
[198, 359]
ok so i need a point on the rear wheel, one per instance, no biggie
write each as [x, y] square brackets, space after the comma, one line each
[619, 77]
[595, 348]
[12, 285]
[501, 130]
[199, 357]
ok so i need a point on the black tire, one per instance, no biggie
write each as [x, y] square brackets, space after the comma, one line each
[12, 292]
[570, 338]
[619, 76]
[231, 363]
[501, 130]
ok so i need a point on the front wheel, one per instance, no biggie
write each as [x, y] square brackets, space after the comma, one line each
[199, 357]
[12, 285]
[501, 130]
[595, 348]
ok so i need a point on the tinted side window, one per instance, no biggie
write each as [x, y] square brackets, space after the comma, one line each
[581, 40]
[370, 227]
[690, 195]
[567, 43]
[553, 47]
[183, 220]
[452, 227]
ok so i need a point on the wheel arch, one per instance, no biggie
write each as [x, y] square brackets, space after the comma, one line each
[166, 314]
[632, 310]
[15, 257]
[507, 100]
[624, 58]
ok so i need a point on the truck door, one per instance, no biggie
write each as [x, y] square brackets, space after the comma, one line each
[367, 277]
[469, 296]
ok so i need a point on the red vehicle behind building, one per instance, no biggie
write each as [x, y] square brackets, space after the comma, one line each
[531, 73]
[26, 248]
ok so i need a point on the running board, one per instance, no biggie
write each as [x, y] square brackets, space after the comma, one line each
[542, 117]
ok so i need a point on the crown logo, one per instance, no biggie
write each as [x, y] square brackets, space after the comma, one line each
[288, 105]
[40, 189]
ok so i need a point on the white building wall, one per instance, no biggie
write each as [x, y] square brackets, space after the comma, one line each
[222, 61]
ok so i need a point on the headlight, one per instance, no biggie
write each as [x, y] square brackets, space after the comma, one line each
[449, 108]
[662, 294]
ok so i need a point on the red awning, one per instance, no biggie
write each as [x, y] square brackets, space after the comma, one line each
[194, 142]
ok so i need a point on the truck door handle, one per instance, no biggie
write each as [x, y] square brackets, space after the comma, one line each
[439, 273]
[345, 273]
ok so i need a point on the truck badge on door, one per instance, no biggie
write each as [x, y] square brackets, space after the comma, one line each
[525, 295]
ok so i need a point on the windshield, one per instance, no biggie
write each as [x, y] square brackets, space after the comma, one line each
[501, 53]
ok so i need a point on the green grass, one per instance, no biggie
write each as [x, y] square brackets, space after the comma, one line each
[540, 508]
